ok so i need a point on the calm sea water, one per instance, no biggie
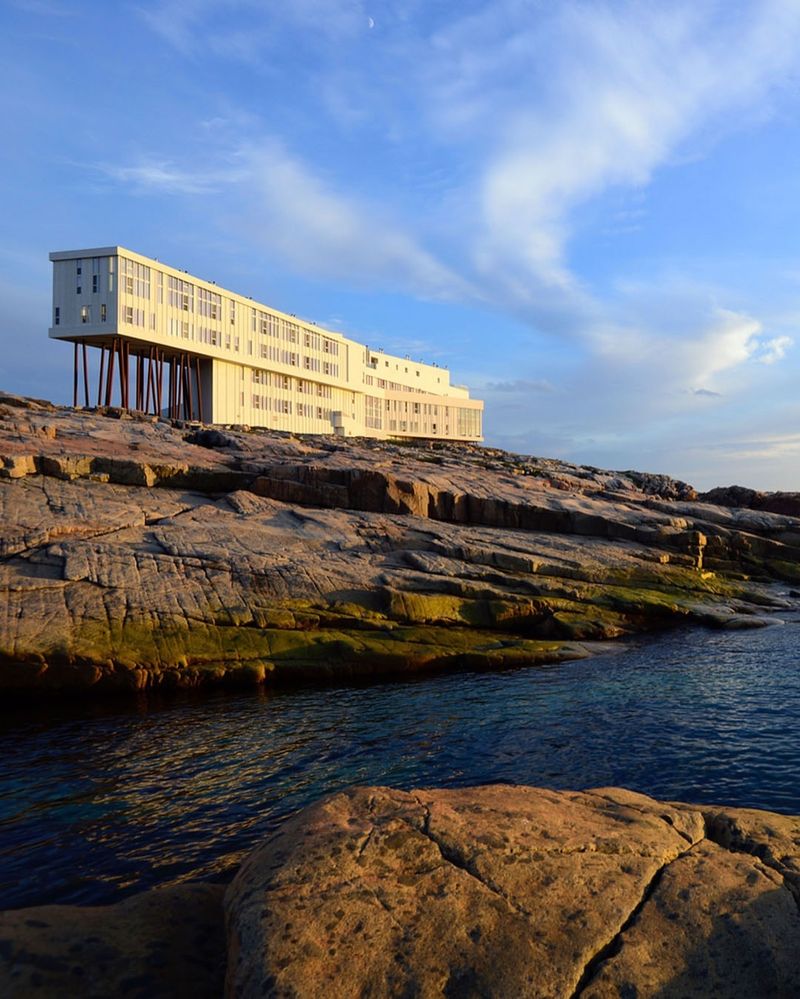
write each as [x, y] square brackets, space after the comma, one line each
[99, 802]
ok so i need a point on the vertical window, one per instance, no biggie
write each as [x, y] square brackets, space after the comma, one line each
[103, 313]
[95, 279]
[78, 290]
[57, 319]
[128, 313]
[111, 274]
[79, 267]
[84, 313]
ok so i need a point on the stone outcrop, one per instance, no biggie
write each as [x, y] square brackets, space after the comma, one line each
[164, 943]
[787, 504]
[515, 891]
[488, 891]
[138, 553]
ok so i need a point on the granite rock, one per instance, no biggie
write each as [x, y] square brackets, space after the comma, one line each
[509, 891]
[500, 891]
[164, 943]
[142, 553]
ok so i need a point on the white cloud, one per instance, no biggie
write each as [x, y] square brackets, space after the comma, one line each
[775, 349]
[520, 386]
[626, 87]
[163, 176]
[304, 219]
[525, 113]
[295, 215]
[245, 29]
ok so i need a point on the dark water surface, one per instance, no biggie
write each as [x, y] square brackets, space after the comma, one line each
[99, 802]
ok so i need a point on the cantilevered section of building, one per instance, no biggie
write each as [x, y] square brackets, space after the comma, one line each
[176, 344]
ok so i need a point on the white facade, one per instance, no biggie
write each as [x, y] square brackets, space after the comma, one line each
[251, 364]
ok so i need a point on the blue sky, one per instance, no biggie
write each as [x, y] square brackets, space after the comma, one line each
[589, 210]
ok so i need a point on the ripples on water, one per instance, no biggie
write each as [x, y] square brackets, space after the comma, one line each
[97, 802]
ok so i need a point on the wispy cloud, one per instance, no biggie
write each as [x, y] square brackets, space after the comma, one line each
[245, 29]
[775, 349]
[315, 226]
[520, 386]
[570, 101]
[163, 176]
[288, 210]
[524, 114]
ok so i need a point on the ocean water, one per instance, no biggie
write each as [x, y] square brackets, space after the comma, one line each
[98, 802]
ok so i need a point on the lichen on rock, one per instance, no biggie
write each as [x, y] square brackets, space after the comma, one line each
[135, 554]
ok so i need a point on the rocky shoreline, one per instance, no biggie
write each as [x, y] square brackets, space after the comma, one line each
[140, 554]
[489, 891]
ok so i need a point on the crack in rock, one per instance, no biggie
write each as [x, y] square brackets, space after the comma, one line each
[614, 945]
[644, 811]
[454, 860]
[724, 831]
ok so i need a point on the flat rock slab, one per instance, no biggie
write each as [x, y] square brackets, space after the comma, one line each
[515, 891]
[161, 944]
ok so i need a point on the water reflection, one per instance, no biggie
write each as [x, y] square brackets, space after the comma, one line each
[100, 801]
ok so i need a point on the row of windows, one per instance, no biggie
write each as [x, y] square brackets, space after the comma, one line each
[292, 359]
[417, 408]
[86, 314]
[135, 277]
[209, 303]
[181, 294]
[285, 406]
[383, 383]
[372, 412]
[468, 422]
[216, 338]
[135, 316]
[95, 275]
[276, 380]
[372, 361]
[267, 324]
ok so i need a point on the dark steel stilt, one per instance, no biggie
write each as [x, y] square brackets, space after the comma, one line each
[139, 386]
[110, 374]
[75, 375]
[102, 371]
[199, 390]
[85, 373]
[160, 379]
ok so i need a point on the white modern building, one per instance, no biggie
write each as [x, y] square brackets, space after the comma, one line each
[170, 342]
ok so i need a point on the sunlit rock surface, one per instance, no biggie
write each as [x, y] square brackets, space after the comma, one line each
[500, 891]
[137, 553]
[517, 891]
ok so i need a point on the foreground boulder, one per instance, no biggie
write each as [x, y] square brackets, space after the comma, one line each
[516, 891]
[495, 891]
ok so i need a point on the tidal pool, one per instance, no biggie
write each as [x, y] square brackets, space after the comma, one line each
[100, 801]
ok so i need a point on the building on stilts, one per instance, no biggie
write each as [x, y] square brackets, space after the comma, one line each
[153, 338]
